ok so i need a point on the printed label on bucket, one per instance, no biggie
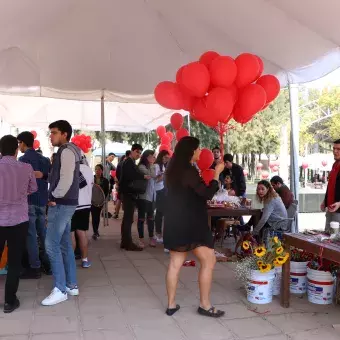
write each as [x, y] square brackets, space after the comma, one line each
[260, 292]
[298, 283]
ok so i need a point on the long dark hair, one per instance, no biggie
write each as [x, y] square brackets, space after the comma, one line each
[270, 194]
[180, 160]
[159, 159]
[144, 159]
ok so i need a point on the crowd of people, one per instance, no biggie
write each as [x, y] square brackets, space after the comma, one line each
[45, 208]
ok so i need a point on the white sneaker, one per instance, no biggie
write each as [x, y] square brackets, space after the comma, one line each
[54, 298]
[159, 239]
[72, 291]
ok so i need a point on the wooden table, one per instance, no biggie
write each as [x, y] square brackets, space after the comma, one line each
[230, 212]
[309, 243]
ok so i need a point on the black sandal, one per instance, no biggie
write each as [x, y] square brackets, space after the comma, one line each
[172, 311]
[212, 312]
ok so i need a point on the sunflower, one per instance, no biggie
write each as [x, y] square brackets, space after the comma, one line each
[276, 240]
[245, 245]
[282, 259]
[260, 251]
[259, 263]
[265, 268]
[279, 250]
[276, 263]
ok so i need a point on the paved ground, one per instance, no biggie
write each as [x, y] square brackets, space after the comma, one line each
[123, 297]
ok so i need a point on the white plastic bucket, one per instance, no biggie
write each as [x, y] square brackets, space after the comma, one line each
[277, 281]
[320, 287]
[298, 277]
[260, 287]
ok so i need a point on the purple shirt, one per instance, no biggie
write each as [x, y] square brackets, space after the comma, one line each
[17, 181]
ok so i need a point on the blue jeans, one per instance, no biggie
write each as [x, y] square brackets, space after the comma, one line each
[58, 246]
[36, 226]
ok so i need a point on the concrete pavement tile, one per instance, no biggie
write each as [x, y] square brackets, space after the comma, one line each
[54, 324]
[15, 323]
[251, 327]
[317, 334]
[108, 335]
[59, 336]
[116, 321]
[290, 323]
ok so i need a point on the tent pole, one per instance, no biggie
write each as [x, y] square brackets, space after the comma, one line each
[189, 127]
[294, 142]
[103, 142]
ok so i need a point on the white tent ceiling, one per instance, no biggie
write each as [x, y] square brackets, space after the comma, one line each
[73, 49]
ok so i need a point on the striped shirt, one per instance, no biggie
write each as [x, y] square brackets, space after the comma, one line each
[17, 181]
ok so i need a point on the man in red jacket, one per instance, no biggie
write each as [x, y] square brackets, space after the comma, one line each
[331, 203]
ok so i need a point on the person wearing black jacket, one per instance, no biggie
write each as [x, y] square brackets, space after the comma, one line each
[235, 171]
[129, 172]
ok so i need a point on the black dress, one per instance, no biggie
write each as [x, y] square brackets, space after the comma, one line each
[185, 216]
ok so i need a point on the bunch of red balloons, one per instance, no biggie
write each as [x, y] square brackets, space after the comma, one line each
[166, 138]
[217, 88]
[36, 143]
[83, 142]
[204, 163]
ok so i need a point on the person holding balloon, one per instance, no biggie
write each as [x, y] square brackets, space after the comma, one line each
[186, 222]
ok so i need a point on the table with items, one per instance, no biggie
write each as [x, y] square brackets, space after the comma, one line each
[318, 244]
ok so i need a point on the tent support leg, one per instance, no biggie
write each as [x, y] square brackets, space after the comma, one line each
[294, 142]
[103, 142]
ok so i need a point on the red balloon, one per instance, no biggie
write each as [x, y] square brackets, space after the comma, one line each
[113, 173]
[36, 144]
[176, 121]
[220, 103]
[164, 147]
[248, 68]
[261, 66]
[251, 100]
[275, 168]
[265, 174]
[223, 72]
[170, 135]
[195, 79]
[305, 165]
[203, 115]
[34, 134]
[271, 85]
[188, 102]
[245, 172]
[208, 57]
[259, 166]
[208, 175]
[234, 92]
[271, 164]
[169, 95]
[170, 153]
[181, 133]
[161, 131]
[165, 139]
[205, 160]
[179, 75]
[324, 163]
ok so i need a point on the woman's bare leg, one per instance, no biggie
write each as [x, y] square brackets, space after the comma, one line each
[207, 259]
[176, 262]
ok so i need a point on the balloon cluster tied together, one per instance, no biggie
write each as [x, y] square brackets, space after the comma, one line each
[217, 88]
[83, 142]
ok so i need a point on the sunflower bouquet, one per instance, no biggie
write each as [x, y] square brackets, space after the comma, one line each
[262, 258]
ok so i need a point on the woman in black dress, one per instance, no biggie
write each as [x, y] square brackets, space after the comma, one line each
[186, 222]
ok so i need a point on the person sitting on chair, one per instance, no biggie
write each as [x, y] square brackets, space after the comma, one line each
[283, 191]
[274, 220]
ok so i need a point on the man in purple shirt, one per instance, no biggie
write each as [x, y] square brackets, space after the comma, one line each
[17, 181]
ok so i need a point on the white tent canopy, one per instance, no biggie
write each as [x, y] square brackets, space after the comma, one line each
[85, 115]
[74, 49]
